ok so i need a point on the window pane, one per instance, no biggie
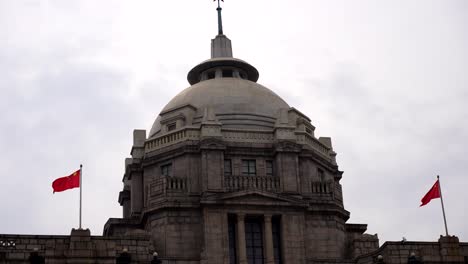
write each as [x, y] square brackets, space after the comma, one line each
[232, 241]
[227, 167]
[254, 240]
[248, 168]
[320, 174]
[227, 73]
[166, 170]
[211, 75]
[269, 168]
[252, 168]
[275, 224]
[171, 127]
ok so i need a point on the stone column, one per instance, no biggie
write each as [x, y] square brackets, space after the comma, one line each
[241, 248]
[269, 254]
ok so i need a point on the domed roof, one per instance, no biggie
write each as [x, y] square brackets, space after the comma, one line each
[227, 87]
[237, 103]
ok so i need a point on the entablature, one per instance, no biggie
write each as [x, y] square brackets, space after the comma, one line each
[252, 197]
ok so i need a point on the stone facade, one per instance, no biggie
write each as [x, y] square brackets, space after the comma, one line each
[230, 173]
[78, 248]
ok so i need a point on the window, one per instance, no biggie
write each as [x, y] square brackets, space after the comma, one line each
[254, 241]
[227, 167]
[171, 126]
[211, 75]
[166, 170]
[227, 73]
[232, 240]
[275, 226]
[321, 174]
[269, 168]
[249, 168]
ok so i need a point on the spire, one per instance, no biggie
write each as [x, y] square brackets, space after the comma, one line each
[220, 45]
[220, 20]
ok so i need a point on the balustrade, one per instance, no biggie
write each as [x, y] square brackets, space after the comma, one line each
[176, 184]
[172, 138]
[252, 183]
[304, 138]
[321, 187]
[168, 184]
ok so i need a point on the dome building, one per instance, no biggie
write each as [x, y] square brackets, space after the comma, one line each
[230, 173]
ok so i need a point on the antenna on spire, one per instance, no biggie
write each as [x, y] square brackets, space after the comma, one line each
[220, 21]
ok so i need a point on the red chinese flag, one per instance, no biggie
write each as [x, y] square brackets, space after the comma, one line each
[67, 182]
[433, 193]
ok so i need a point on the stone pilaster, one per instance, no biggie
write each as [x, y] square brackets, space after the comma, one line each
[138, 148]
[136, 192]
[283, 130]
[287, 164]
[210, 126]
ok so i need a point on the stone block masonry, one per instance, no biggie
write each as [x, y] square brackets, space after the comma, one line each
[447, 250]
[79, 247]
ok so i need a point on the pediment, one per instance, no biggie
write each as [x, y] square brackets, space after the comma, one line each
[254, 197]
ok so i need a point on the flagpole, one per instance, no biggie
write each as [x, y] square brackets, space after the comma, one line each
[81, 177]
[443, 210]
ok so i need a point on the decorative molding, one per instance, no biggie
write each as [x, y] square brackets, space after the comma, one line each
[212, 143]
[178, 108]
[7, 243]
[248, 136]
[170, 119]
[287, 146]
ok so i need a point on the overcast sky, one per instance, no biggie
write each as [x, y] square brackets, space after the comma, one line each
[386, 80]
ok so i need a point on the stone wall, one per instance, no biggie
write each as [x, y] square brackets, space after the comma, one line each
[80, 247]
[176, 231]
[446, 250]
[292, 229]
[325, 237]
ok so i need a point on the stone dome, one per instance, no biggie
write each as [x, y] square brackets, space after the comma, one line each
[226, 87]
[237, 103]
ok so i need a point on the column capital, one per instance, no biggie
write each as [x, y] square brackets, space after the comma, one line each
[267, 217]
[240, 216]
